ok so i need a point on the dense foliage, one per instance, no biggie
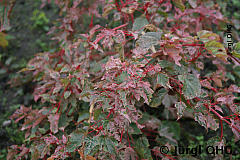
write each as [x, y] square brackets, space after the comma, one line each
[132, 55]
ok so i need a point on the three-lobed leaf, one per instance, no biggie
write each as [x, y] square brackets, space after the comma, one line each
[139, 24]
[217, 49]
[191, 86]
[148, 40]
[158, 98]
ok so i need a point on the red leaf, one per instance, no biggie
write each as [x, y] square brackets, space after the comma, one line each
[173, 52]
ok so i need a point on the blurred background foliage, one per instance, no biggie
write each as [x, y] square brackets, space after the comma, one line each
[27, 35]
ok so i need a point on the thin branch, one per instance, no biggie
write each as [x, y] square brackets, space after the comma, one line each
[222, 118]
[230, 55]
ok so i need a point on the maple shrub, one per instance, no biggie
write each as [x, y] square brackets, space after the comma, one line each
[115, 60]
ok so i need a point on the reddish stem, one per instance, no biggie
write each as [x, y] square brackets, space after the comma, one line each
[168, 156]
[121, 135]
[221, 129]
[91, 24]
[128, 140]
[195, 58]
[193, 44]
[132, 18]
[124, 25]
[117, 5]
[59, 103]
[222, 118]
[230, 55]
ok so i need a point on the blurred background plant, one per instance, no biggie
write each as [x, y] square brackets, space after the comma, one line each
[27, 36]
[40, 21]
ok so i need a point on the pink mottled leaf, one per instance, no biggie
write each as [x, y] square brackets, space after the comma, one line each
[53, 119]
[173, 52]
[180, 108]
[130, 154]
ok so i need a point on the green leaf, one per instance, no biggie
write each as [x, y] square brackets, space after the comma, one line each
[2, 71]
[191, 86]
[145, 118]
[161, 13]
[158, 97]
[206, 36]
[70, 147]
[95, 67]
[97, 113]
[42, 130]
[141, 147]
[105, 123]
[75, 140]
[83, 116]
[179, 4]
[139, 24]
[230, 76]
[216, 49]
[64, 121]
[179, 70]
[148, 40]
[122, 77]
[74, 102]
[67, 94]
[3, 40]
[161, 80]
[180, 108]
[135, 129]
[236, 50]
[236, 71]
[109, 146]
[66, 68]
[170, 131]
[90, 145]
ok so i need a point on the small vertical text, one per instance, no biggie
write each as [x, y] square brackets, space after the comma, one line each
[229, 38]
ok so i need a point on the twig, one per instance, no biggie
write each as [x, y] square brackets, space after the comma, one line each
[230, 55]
